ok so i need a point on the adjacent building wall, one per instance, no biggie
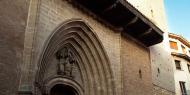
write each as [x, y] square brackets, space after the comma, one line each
[179, 44]
[182, 75]
[13, 17]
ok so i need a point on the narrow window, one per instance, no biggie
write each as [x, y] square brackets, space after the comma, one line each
[188, 66]
[177, 64]
[183, 88]
[159, 70]
[140, 74]
[183, 49]
[173, 45]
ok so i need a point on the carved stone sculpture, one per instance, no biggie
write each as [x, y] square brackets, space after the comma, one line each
[66, 62]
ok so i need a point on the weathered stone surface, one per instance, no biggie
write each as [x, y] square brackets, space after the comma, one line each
[161, 91]
[129, 60]
[55, 12]
[136, 68]
[161, 65]
[13, 16]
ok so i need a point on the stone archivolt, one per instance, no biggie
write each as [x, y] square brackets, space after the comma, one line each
[79, 56]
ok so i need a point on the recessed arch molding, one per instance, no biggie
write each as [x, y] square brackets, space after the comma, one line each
[74, 56]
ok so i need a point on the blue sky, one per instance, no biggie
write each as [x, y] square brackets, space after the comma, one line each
[178, 16]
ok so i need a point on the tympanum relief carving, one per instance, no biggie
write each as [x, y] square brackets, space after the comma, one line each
[66, 62]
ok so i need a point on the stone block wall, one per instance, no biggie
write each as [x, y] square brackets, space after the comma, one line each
[24, 31]
[121, 50]
[13, 18]
[157, 90]
[136, 67]
[53, 13]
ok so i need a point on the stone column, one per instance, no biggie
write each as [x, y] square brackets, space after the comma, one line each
[26, 84]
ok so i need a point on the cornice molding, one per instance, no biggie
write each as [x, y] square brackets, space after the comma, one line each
[180, 38]
[122, 16]
[181, 55]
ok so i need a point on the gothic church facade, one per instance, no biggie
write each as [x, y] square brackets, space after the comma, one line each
[76, 47]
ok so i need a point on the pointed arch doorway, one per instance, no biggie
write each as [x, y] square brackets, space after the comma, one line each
[61, 89]
[74, 62]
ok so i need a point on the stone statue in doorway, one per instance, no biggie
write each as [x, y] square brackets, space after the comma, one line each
[66, 62]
